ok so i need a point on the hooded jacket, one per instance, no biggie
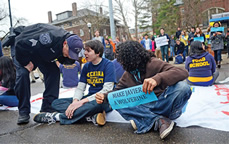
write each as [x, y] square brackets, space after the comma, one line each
[201, 69]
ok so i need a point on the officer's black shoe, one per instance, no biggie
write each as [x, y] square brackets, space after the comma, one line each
[23, 119]
[33, 81]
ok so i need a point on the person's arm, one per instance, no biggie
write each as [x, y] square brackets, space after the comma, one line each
[187, 64]
[212, 37]
[58, 63]
[167, 74]
[108, 86]
[175, 49]
[189, 37]
[79, 92]
[204, 37]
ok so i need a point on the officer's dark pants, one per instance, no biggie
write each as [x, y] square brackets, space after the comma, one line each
[22, 86]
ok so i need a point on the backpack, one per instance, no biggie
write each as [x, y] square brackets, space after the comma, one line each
[178, 59]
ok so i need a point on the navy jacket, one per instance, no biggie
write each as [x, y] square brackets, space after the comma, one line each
[40, 42]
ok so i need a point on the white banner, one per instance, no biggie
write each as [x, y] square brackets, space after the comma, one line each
[161, 41]
[208, 107]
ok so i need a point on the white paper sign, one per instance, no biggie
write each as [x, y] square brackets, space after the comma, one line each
[161, 41]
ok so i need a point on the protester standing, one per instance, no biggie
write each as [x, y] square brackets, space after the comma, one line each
[217, 44]
[164, 49]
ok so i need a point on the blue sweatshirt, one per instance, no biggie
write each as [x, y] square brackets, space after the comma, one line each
[201, 69]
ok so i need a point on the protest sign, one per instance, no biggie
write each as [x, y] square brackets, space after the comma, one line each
[161, 41]
[130, 97]
[201, 39]
[217, 29]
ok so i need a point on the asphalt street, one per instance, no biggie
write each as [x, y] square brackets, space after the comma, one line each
[10, 132]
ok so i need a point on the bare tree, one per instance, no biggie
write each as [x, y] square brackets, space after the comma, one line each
[192, 13]
[120, 9]
[97, 16]
[138, 7]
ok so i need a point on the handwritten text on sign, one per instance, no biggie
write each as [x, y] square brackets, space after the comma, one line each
[161, 41]
[130, 97]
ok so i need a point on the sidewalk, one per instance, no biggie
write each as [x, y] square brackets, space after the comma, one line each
[10, 132]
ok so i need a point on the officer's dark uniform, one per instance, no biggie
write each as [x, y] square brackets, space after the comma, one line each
[41, 44]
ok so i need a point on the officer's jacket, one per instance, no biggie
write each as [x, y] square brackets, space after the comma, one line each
[40, 42]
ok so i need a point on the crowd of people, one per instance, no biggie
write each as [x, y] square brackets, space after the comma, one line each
[111, 66]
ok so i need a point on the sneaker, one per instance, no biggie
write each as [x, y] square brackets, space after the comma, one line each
[133, 124]
[23, 119]
[165, 127]
[45, 117]
[98, 119]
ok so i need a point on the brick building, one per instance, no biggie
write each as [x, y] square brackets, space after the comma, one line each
[207, 9]
[76, 21]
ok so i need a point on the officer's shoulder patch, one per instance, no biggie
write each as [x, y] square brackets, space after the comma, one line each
[45, 38]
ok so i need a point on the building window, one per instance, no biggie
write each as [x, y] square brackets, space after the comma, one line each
[81, 32]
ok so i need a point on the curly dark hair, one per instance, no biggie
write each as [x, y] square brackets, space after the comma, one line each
[133, 56]
[95, 45]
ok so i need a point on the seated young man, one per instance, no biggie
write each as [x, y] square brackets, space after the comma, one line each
[164, 79]
[98, 73]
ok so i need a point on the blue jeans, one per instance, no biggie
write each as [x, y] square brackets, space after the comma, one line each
[184, 56]
[9, 100]
[217, 55]
[186, 50]
[169, 104]
[172, 52]
[88, 109]
[164, 52]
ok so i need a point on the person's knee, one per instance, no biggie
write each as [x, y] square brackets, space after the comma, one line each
[184, 89]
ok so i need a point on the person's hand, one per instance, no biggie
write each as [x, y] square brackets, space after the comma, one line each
[218, 33]
[99, 97]
[214, 34]
[148, 85]
[192, 38]
[72, 107]
[29, 66]
[167, 40]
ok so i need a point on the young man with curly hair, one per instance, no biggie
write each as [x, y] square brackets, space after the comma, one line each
[164, 79]
[99, 74]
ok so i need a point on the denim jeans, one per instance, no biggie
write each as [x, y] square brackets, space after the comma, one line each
[169, 104]
[88, 109]
[164, 53]
[184, 56]
[186, 50]
[9, 100]
[217, 55]
[172, 52]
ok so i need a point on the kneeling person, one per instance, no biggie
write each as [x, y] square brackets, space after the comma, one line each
[98, 73]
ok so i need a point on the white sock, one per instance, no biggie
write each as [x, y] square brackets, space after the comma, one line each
[57, 117]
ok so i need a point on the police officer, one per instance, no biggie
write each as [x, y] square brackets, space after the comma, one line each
[39, 45]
